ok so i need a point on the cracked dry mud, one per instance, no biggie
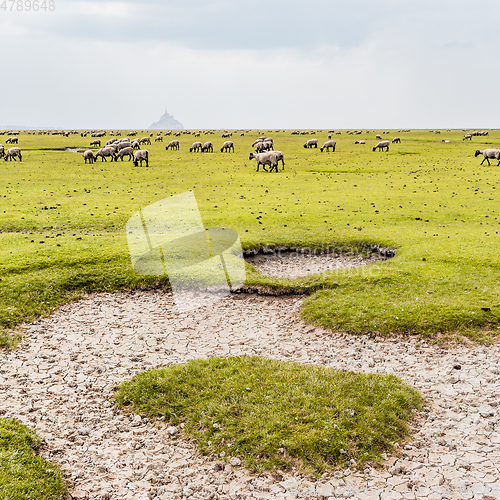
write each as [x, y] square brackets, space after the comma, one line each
[60, 382]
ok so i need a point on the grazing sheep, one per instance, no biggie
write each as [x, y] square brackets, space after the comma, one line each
[97, 143]
[2, 150]
[145, 140]
[257, 141]
[110, 141]
[89, 155]
[104, 153]
[227, 146]
[445, 140]
[122, 145]
[360, 142]
[173, 144]
[196, 146]
[265, 159]
[140, 156]
[467, 136]
[13, 153]
[207, 147]
[396, 139]
[279, 157]
[311, 142]
[259, 147]
[124, 152]
[378, 136]
[159, 138]
[487, 153]
[136, 144]
[12, 140]
[329, 144]
[381, 145]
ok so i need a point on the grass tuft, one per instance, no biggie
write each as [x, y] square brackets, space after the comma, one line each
[23, 474]
[277, 415]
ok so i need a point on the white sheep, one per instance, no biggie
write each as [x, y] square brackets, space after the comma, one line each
[207, 147]
[329, 144]
[489, 153]
[159, 138]
[136, 144]
[89, 155]
[13, 153]
[360, 142]
[396, 139]
[110, 141]
[467, 136]
[265, 159]
[122, 145]
[310, 143]
[105, 153]
[279, 157]
[97, 142]
[140, 156]
[196, 146]
[2, 150]
[173, 144]
[227, 146]
[381, 145]
[124, 152]
[378, 136]
[145, 140]
[12, 140]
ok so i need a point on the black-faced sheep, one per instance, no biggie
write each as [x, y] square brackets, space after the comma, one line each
[360, 142]
[467, 136]
[227, 146]
[378, 136]
[159, 138]
[196, 146]
[140, 156]
[265, 159]
[12, 140]
[88, 155]
[173, 144]
[396, 139]
[2, 150]
[13, 153]
[208, 147]
[311, 143]
[329, 144]
[124, 152]
[145, 140]
[97, 143]
[489, 153]
[381, 145]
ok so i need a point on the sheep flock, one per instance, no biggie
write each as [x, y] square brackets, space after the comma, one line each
[129, 146]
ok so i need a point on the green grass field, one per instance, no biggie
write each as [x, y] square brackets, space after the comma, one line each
[62, 224]
[62, 229]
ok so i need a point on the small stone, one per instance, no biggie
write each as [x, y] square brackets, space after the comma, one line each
[235, 462]
[83, 431]
[172, 430]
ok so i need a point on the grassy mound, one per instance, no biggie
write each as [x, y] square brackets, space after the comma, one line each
[277, 415]
[23, 474]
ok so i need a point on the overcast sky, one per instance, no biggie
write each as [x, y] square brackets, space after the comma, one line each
[259, 64]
